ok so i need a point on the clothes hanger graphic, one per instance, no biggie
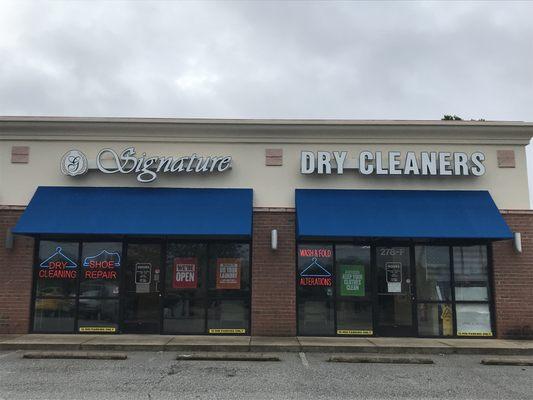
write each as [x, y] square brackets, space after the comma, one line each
[315, 263]
[58, 253]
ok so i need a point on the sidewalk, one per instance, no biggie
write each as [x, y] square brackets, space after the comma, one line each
[265, 344]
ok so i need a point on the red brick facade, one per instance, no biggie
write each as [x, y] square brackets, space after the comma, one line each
[513, 279]
[273, 275]
[16, 277]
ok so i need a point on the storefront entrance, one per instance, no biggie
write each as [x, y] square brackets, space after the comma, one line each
[142, 306]
[395, 292]
[393, 289]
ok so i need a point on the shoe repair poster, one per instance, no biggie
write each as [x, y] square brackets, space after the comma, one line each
[352, 280]
[228, 273]
[185, 273]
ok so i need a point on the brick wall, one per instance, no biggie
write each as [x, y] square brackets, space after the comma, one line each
[273, 275]
[15, 276]
[513, 279]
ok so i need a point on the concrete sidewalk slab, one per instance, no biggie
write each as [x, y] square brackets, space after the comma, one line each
[127, 342]
[46, 342]
[267, 343]
[410, 345]
[336, 344]
[486, 346]
[209, 343]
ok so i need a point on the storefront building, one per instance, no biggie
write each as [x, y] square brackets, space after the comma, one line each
[265, 227]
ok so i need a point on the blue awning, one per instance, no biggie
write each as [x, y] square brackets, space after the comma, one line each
[399, 214]
[138, 211]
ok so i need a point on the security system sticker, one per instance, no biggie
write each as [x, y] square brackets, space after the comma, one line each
[393, 271]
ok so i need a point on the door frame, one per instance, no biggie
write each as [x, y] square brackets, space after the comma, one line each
[139, 241]
[390, 332]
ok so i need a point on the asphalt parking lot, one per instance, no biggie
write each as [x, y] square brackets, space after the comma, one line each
[148, 375]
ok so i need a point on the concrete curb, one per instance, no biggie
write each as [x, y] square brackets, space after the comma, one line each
[73, 355]
[508, 361]
[268, 349]
[226, 357]
[380, 360]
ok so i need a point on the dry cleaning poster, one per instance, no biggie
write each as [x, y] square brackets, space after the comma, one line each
[228, 273]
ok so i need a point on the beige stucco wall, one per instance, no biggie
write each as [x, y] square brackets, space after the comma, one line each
[273, 185]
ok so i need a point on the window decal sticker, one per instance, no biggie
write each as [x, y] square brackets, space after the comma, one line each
[228, 273]
[185, 273]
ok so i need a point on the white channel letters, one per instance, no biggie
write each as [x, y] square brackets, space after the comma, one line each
[394, 163]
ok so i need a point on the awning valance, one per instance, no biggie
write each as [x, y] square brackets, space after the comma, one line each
[399, 214]
[138, 211]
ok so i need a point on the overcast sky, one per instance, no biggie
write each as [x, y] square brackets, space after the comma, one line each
[397, 60]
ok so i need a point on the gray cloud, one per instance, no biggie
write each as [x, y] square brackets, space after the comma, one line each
[267, 59]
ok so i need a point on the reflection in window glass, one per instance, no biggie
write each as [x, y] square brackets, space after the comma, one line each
[54, 315]
[470, 273]
[97, 313]
[435, 319]
[101, 265]
[433, 272]
[184, 314]
[354, 318]
[228, 314]
[473, 320]
[315, 317]
[229, 266]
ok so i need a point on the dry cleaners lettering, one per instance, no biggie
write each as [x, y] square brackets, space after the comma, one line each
[394, 163]
[146, 168]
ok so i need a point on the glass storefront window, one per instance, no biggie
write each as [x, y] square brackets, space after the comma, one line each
[228, 316]
[435, 319]
[354, 318]
[101, 265]
[316, 317]
[433, 273]
[184, 314]
[98, 315]
[473, 319]
[470, 268]
[54, 315]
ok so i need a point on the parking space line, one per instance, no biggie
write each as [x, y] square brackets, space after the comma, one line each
[304, 360]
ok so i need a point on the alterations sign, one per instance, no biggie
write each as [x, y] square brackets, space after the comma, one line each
[316, 266]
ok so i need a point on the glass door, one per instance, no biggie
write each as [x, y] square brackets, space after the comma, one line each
[142, 288]
[394, 292]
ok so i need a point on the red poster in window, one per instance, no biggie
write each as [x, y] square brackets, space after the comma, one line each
[228, 273]
[185, 273]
